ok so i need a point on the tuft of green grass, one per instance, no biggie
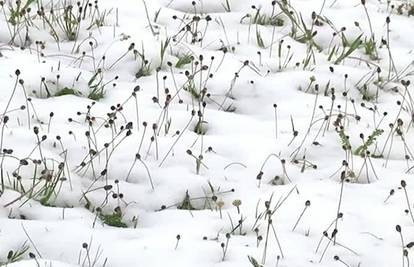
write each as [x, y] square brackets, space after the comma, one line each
[362, 149]
[184, 60]
[200, 128]
[143, 71]
[50, 190]
[366, 94]
[186, 203]
[259, 39]
[69, 22]
[254, 262]
[145, 66]
[192, 89]
[163, 50]
[68, 91]
[17, 12]
[346, 145]
[114, 219]
[97, 86]
[96, 95]
[266, 20]
[17, 255]
[369, 48]
[348, 49]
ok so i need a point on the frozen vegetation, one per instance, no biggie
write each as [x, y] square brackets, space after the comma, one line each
[241, 133]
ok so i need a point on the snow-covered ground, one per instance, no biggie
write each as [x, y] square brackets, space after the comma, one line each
[206, 133]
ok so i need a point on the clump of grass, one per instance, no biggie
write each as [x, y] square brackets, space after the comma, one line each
[207, 201]
[163, 49]
[346, 145]
[184, 60]
[259, 39]
[186, 203]
[372, 42]
[191, 87]
[114, 219]
[362, 149]
[51, 184]
[348, 49]
[348, 174]
[69, 22]
[16, 12]
[16, 255]
[367, 95]
[17, 20]
[405, 9]
[201, 127]
[254, 262]
[299, 30]
[62, 22]
[370, 48]
[145, 66]
[97, 85]
[144, 70]
[68, 91]
[264, 19]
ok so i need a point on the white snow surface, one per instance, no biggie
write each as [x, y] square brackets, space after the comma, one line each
[243, 135]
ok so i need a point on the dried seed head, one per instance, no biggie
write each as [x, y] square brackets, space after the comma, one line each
[334, 232]
[236, 202]
[107, 187]
[398, 228]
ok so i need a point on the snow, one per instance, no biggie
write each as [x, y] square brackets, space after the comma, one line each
[254, 102]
